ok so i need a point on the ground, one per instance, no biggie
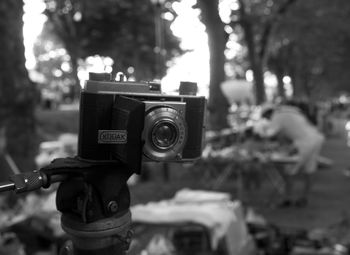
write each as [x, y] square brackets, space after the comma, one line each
[329, 200]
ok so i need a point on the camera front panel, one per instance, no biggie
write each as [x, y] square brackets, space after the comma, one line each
[190, 113]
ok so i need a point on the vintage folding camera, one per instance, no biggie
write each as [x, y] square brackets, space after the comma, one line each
[131, 122]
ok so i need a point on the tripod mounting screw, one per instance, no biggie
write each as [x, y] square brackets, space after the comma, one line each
[112, 206]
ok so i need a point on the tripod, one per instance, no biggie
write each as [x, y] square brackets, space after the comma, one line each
[93, 198]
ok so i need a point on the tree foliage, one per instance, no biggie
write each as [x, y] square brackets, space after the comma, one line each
[306, 40]
[256, 21]
[311, 45]
[121, 29]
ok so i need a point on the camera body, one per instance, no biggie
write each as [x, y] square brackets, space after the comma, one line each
[131, 122]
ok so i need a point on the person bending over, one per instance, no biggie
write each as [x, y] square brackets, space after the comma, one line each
[291, 123]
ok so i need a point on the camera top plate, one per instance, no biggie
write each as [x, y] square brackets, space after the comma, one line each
[102, 83]
[128, 88]
[121, 87]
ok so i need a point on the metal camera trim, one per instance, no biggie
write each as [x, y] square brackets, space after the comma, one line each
[170, 115]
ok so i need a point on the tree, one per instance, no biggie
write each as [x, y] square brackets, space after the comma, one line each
[289, 38]
[17, 94]
[123, 30]
[217, 38]
[310, 45]
[258, 20]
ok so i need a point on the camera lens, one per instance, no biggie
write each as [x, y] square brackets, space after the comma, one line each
[164, 134]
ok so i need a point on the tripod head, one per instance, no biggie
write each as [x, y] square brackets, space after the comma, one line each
[93, 198]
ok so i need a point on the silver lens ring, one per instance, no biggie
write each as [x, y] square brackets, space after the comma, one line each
[165, 134]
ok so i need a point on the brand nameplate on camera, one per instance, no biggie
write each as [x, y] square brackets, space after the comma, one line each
[112, 136]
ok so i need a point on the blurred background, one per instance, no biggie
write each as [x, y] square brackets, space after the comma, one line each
[241, 53]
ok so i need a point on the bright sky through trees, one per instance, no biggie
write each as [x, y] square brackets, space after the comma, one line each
[33, 23]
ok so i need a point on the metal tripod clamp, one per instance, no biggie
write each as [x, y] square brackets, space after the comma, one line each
[94, 200]
[108, 236]
[95, 205]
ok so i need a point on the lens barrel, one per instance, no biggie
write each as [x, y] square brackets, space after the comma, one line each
[165, 134]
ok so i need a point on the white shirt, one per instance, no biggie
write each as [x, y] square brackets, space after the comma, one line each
[290, 122]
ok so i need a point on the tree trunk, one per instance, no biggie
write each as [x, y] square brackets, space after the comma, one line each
[17, 93]
[255, 61]
[217, 103]
[255, 64]
[298, 72]
[257, 50]
[76, 86]
[258, 72]
[280, 84]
